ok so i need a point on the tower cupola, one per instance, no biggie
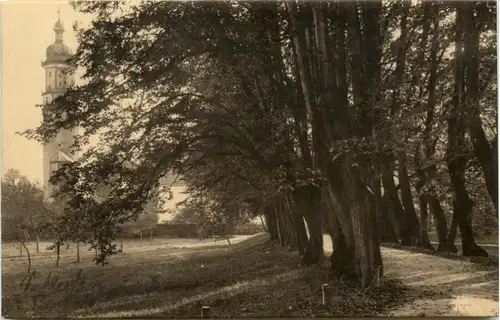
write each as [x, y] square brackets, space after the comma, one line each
[58, 51]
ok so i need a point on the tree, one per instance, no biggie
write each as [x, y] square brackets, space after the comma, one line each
[296, 111]
[23, 205]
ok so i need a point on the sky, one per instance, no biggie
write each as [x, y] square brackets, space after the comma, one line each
[26, 31]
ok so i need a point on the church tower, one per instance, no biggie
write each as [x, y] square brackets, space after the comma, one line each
[59, 76]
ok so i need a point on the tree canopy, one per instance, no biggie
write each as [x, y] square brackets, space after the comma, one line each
[359, 118]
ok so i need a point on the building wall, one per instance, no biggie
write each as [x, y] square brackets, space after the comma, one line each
[58, 78]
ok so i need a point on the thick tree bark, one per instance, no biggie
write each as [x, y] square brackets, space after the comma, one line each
[411, 219]
[367, 247]
[439, 221]
[473, 24]
[271, 224]
[396, 209]
[452, 234]
[424, 214]
[462, 205]
[385, 228]
[308, 201]
[278, 227]
[298, 224]
[422, 201]
[386, 225]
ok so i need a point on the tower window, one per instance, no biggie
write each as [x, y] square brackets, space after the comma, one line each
[50, 74]
[49, 86]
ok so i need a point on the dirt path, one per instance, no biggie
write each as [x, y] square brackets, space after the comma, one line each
[440, 287]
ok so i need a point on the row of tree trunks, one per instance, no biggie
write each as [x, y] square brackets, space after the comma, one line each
[350, 205]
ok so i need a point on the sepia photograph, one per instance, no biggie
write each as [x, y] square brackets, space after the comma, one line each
[249, 159]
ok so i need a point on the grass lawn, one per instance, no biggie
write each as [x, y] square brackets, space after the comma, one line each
[490, 239]
[252, 278]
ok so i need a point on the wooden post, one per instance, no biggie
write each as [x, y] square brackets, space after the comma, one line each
[58, 248]
[93, 239]
[140, 233]
[20, 249]
[121, 246]
[380, 277]
[77, 252]
[150, 236]
[324, 293]
[37, 243]
[205, 312]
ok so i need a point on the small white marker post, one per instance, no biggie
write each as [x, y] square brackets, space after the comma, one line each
[323, 291]
[205, 312]
[77, 252]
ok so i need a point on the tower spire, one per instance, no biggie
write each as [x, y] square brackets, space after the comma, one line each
[58, 27]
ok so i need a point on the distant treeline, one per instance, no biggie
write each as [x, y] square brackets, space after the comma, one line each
[171, 230]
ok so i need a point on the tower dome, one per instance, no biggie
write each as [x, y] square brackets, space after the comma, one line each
[58, 51]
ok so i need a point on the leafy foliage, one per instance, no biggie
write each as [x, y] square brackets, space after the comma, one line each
[260, 104]
[23, 205]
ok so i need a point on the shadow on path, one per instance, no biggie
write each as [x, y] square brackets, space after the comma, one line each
[439, 286]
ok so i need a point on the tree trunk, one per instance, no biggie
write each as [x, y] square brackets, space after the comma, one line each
[29, 257]
[422, 201]
[367, 247]
[452, 234]
[424, 213]
[407, 198]
[384, 225]
[397, 211]
[278, 227]
[77, 252]
[298, 225]
[439, 221]
[473, 23]
[462, 204]
[271, 224]
[308, 200]
[58, 253]
[263, 224]
[37, 243]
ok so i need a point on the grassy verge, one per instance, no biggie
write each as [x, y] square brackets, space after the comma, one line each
[489, 239]
[253, 278]
[484, 261]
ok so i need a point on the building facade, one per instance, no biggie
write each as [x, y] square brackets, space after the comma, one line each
[59, 76]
